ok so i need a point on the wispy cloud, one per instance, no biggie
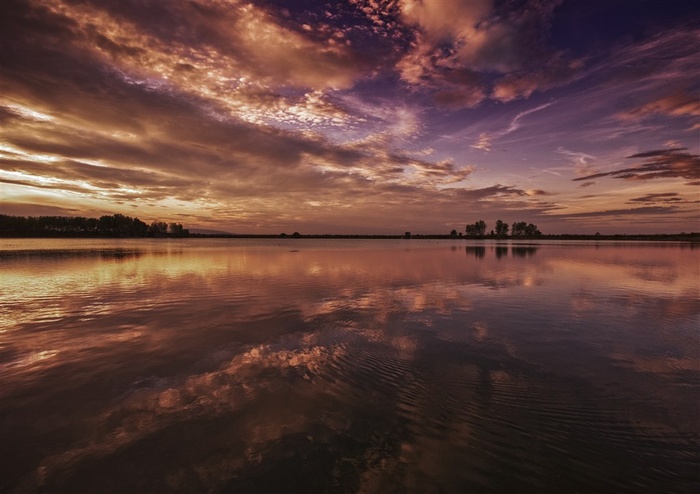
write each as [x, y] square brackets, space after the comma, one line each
[515, 123]
[681, 103]
[582, 161]
[611, 213]
[663, 197]
[661, 163]
[484, 142]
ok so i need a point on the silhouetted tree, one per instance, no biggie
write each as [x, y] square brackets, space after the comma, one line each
[117, 225]
[140, 228]
[176, 230]
[478, 229]
[453, 233]
[158, 229]
[532, 231]
[518, 229]
[501, 229]
[107, 226]
[522, 229]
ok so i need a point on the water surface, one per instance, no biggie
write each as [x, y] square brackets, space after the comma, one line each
[299, 365]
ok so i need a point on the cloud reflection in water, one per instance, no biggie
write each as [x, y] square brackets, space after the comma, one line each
[354, 366]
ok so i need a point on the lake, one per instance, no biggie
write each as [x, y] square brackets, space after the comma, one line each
[374, 366]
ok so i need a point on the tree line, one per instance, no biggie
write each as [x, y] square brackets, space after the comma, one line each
[518, 229]
[115, 225]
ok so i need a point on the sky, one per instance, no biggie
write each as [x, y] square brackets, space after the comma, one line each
[354, 116]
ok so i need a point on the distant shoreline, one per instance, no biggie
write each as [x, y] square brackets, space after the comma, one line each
[688, 237]
[683, 237]
[121, 226]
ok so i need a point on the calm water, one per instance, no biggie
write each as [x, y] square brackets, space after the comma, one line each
[348, 366]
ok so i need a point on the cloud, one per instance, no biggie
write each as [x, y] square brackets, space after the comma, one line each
[677, 104]
[442, 21]
[248, 38]
[619, 78]
[664, 197]
[483, 143]
[681, 103]
[650, 78]
[661, 163]
[669, 54]
[522, 84]
[459, 96]
[103, 102]
[21, 209]
[494, 191]
[228, 56]
[450, 84]
[385, 122]
[643, 211]
[515, 123]
[537, 192]
[581, 161]
[480, 39]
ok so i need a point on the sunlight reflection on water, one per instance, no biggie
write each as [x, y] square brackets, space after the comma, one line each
[344, 366]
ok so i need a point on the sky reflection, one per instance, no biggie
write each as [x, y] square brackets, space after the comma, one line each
[361, 365]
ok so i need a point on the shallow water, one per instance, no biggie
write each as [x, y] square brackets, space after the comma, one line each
[299, 365]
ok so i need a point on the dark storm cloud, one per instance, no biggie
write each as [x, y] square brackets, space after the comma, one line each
[661, 163]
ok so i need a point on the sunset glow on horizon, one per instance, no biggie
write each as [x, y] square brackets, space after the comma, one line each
[357, 116]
